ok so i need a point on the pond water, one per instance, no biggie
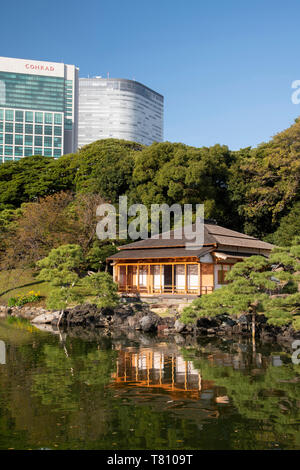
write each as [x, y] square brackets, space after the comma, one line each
[88, 390]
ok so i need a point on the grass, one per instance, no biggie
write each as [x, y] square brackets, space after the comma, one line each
[18, 281]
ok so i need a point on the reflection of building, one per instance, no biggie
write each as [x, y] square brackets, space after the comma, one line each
[166, 266]
[38, 108]
[120, 109]
[157, 369]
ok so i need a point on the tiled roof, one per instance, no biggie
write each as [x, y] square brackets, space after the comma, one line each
[167, 252]
[214, 235]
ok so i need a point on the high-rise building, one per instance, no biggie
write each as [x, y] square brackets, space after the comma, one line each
[38, 108]
[119, 108]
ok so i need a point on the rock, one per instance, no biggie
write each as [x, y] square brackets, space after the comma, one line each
[179, 326]
[205, 322]
[243, 320]
[228, 322]
[148, 323]
[46, 318]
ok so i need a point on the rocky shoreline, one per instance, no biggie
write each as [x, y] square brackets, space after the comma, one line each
[137, 316]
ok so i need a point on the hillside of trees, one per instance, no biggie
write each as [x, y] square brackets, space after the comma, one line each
[45, 203]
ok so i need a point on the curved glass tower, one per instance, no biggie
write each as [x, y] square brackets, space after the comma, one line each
[119, 108]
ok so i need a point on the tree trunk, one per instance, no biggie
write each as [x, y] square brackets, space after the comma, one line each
[60, 317]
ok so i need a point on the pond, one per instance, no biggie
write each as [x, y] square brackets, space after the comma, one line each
[84, 389]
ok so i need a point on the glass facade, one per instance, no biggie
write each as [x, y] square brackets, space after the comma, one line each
[19, 139]
[119, 108]
[38, 109]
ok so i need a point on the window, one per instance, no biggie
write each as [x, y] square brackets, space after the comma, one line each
[19, 151]
[1, 138]
[47, 141]
[1, 126]
[57, 142]
[48, 130]
[29, 116]
[48, 118]
[28, 140]
[8, 138]
[28, 151]
[18, 139]
[1, 113]
[48, 152]
[19, 128]
[19, 116]
[9, 115]
[57, 130]
[223, 269]
[8, 150]
[57, 119]
[38, 141]
[9, 127]
[38, 129]
[39, 117]
[57, 152]
[28, 128]
[38, 151]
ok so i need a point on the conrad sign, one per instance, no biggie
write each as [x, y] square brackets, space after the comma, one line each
[46, 68]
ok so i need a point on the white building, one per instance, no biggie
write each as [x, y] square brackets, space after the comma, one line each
[38, 108]
[119, 108]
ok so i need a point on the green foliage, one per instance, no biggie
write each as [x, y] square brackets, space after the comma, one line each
[253, 288]
[103, 289]
[23, 299]
[60, 298]
[62, 266]
[61, 269]
[289, 227]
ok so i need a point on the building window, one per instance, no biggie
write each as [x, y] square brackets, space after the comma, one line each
[19, 116]
[28, 140]
[38, 129]
[18, 139]
[57, 119]
[48, 130]
[47, 141]
[223, 269]
[8, 138]
[39, 117]
[19, 151]
[29, 116]
[9, 115]
[9, 127]
[19, 128]
[28, 151]
[57, 130]
[38, 141]
[8, 150]
[28, 128]
[48, 118]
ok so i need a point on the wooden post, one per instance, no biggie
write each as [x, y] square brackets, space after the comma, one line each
[126, 285]
[173, 289]
[199, 278]
[148, 283]
[138, 277]
[160, 278]
[185, 278]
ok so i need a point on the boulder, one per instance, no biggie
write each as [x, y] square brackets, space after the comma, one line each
[148, 323]
[46, 318]
[179, 326]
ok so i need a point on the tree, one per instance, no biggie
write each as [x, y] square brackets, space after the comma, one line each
[62, 268]
[289, 227]
[257, 285]
[103, 289]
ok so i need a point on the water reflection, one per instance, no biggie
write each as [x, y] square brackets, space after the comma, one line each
[81, 389]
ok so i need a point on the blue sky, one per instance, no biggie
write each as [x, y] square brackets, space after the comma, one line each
[225, 67]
